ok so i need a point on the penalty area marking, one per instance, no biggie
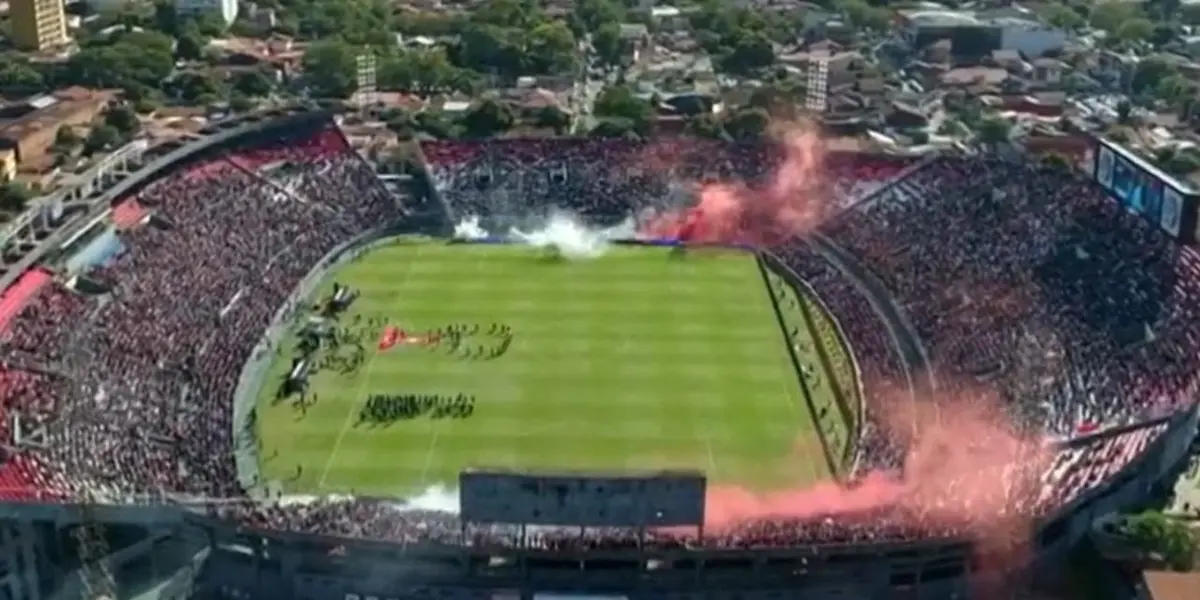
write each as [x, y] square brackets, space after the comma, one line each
[360, 394]
[433, 440]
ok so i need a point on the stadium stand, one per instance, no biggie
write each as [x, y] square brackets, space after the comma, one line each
[1003, 268]
[1088, 321]
[14, 299]
[607, 180]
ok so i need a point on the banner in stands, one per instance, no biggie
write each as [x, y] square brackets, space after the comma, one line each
[1171, 213]
[1143, 188]
[1104, 168]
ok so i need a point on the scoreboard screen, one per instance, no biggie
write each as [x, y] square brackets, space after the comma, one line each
[1143, 188]
[666, 499]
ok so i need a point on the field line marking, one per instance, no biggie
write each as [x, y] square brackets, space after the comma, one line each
[712, 461]
[433, 440]
[359, 393]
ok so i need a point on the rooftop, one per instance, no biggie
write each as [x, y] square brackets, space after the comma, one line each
[49, 111]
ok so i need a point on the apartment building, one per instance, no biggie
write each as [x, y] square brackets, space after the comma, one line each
[38, 25]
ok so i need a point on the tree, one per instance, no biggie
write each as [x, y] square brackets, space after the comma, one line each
[240, 103]
[748, 124]
[123, 119]
[435, 123]
[1148, 73]
[1157, 534]
[192, 87]
[1057, 161]
[17, 74]
[483, 47]
[705, 126]
[1124, 110]
[101, 138]
[506, 13]
[487, 119]
[614, 127]
[1180, 163]
[14, 197]
[550, 48]
[190, 43]
[748, 54]
[1174, 89]
[139, 58]
[594, 15]
[620, 102]
[774, 95]
[1062, 16]
[355, 22]
[1135, 30]
[432, 71]
[994, 131]
[329, 69]
[400, 122]
[608, 44]
[253, 84]
[870, 17]
[553, 118]
[66, 141]
[1112, 14]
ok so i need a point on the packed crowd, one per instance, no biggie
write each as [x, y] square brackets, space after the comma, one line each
[606, 180]
[944, 508]
[153, 365]
[1033, 280]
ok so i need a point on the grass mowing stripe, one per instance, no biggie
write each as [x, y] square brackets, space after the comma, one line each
[635, 359]
[359, 395]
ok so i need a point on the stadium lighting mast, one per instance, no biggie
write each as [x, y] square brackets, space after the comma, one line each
[817, 97]
[364, 70]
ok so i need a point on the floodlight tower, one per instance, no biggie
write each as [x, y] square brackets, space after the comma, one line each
[364, 70]
[817, 96]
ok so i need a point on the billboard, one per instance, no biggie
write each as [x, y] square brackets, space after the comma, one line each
[1171, 213]
[1127, 184]
[668, 499]
[1142, 188]
[1104, 167]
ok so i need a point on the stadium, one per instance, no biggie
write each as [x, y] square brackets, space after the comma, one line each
[566, 368]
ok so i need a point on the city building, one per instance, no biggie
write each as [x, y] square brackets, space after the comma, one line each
[227, 10]
[28, 129]
[38, 25]
[8, 166]
[972, 36]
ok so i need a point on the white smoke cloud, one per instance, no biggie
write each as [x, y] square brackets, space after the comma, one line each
[469, 229]
[435, 498]
[566, 233]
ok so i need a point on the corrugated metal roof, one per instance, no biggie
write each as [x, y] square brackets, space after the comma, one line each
[41, 102]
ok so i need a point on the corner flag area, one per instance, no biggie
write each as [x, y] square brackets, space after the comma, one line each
[462, 355]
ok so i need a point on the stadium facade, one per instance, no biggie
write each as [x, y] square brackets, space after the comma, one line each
[197, 553]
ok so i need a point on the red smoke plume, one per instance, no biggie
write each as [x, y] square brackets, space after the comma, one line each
[793, 202]
[965, 472]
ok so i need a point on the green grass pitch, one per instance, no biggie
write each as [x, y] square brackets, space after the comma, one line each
[639, 359]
